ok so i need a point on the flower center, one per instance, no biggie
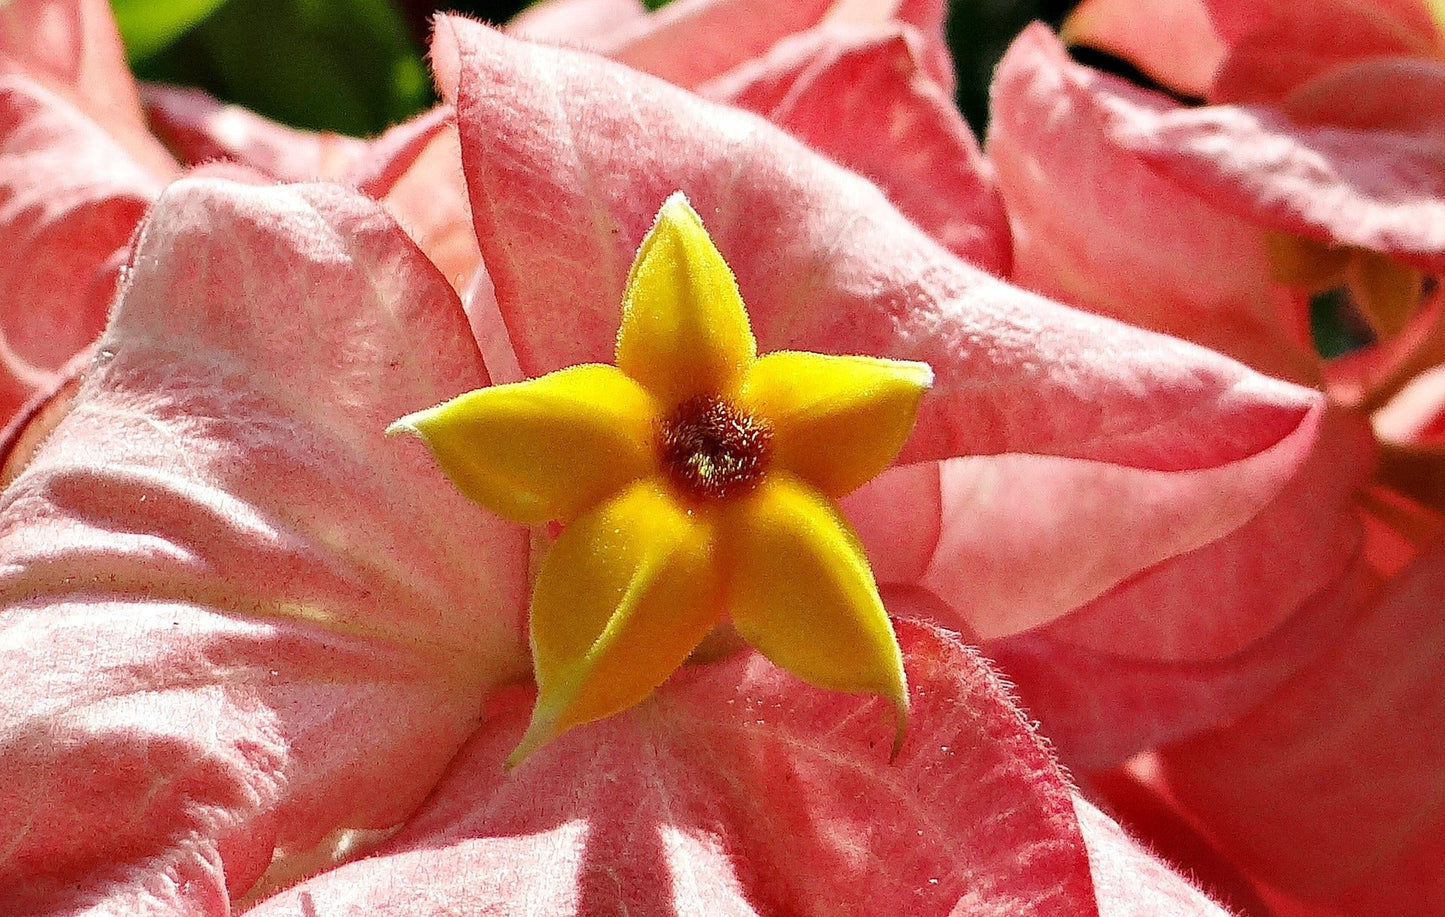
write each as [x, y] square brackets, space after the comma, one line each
[713, 450]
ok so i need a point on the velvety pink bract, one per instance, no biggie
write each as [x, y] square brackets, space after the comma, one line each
[1337, 178]
[246, 638]
[413, 167]
[1086, 214]
[1056, 447]
[719, 34]
[72, 48]
[868, 84]
[69, 199]
[214, 574]
[1335, 131]
[78, 167]
[77, 170]
[1094, 226]
[1271, 50]
[635, 812]
[861, 96]
[217, 582]
[1128, 203]
[1348, 753]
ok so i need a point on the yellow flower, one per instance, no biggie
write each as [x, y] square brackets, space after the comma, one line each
[696, 482]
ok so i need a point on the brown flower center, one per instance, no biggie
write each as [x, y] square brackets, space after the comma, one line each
[713, 450]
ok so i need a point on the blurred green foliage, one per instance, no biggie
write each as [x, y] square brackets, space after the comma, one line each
[355, 66]
[1336, 324]
[351, 66]
[152, 25]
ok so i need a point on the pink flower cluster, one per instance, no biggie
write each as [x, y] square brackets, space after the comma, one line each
[1168, 583]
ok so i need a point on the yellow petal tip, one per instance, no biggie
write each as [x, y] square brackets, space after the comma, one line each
[684, 329]
[542, 449]
[532, 740]
[900, 724]
[676, 203]
[400, 426]
[923, 374]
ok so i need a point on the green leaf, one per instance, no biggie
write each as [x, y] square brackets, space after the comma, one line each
[150, 25]
[348, 66]
[1336, 325]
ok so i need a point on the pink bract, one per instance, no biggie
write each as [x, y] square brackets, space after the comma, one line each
[220, 580]
[256, 654]
[692, 41]
[79, 166]
[1126, 202]
[1335, 129]
[226, 581]
[869, 84]
[738, 790]
[77, 170]
[1060, 445]
[1347, 754]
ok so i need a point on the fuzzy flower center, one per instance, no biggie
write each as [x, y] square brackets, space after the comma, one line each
[713, 450]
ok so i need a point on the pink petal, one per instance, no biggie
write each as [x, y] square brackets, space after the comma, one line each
[1372, 179]
[577, 22]
[1130, 797]
[1172, 41]
[235, 617]
[72, 48]
[47, 406]
[1204, 635]
[412, 165]
[1128, 880]
[738, 790]
[1101, 708]
[928, 19]
[562, 195]
[1010, 542]
[1117, 635]
[1094, 225]
[1264, 583]
[1417, 413]
[860, 97]
[199, 129]
[564, 191]
[1406, 21]
[70, 198]
[691, 41]
[429, 200]
[1275, 47]
[381, 162]
[1331, 789]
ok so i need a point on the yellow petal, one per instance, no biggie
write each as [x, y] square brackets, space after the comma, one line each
[625, 594]
[684, 329]
[836, 421]
[800, 590]
[1387, 291]
[546, 448]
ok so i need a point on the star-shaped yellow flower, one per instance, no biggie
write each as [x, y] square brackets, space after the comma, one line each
[696, 482]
